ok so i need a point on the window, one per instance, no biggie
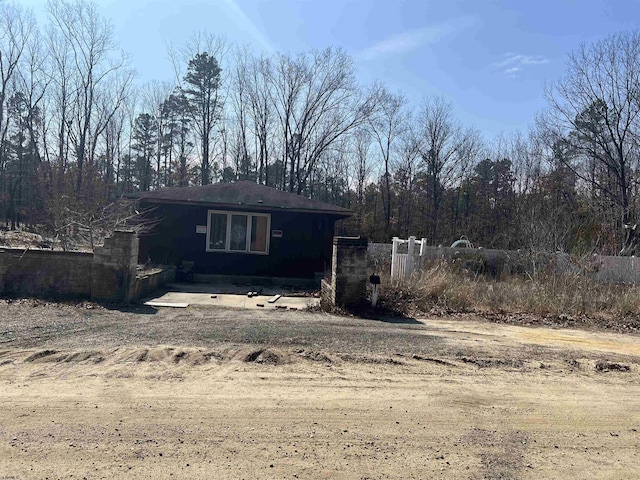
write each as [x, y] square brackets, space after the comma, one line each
[259, 234]
[217, 231]
[238, 232]
[238, 237]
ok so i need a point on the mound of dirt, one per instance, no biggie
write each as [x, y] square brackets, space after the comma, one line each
[314, 356]
[84, 357]
[612, 367]
[181, 355]
[492, 362]
[196, 358]
[433, 360]
[265, 356]
[55, 356]
[138, 355]
[371, 360]
[156, 354]
[40, 355]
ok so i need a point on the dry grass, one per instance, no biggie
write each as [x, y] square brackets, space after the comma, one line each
[443, 287]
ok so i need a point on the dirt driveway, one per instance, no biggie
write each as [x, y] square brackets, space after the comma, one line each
[87, 392]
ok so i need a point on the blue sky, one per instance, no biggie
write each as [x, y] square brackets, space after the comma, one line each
[491, 58]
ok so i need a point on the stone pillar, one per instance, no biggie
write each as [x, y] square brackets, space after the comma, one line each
[348, 284]
[114, 268]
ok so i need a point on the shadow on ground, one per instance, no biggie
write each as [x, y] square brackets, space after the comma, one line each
[137, 308]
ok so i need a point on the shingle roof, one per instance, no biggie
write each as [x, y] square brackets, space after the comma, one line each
[241, 194]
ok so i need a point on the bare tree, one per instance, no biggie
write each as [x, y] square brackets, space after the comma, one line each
[114, 144]
[253, 113]
[528, 155]
[114, 95]
[154, 96]
[261, 111]
[91, 60]
[388, 124]
[594, 110]
[406, 167]
[447, 150]
[361, 141]
[17, 26]
[317, 100]
[25, 102]
[240, 105]
[58, 101]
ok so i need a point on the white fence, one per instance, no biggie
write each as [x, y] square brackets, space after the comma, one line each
[603, 268]
[404, 264]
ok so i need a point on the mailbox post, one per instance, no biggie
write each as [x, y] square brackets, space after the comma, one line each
[375, 281]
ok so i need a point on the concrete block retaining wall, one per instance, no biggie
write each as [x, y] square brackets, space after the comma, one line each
[147, 282]
[108, 274]
[114, 268]
[44, 273]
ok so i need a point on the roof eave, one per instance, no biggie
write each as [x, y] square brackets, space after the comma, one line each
[342, 213]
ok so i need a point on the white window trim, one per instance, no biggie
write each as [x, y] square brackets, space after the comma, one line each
[229, 213]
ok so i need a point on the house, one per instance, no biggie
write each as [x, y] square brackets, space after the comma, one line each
[240, 228]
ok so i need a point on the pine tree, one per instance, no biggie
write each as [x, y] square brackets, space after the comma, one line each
[145, 137]
[203, 94]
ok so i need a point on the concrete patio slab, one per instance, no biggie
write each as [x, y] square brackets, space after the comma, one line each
[231, 296]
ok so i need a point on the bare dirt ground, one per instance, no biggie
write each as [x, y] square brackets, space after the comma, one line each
[87, 392]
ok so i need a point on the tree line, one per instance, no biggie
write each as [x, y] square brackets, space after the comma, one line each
[77, 133]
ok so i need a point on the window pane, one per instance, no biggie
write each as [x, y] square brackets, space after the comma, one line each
[258, 234]
[218, 232]
[238, 233]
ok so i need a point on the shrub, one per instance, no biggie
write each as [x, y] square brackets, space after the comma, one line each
[453, 287]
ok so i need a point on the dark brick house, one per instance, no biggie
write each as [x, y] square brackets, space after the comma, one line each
[240, 228]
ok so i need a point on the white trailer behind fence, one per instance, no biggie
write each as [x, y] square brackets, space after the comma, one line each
[403, 264]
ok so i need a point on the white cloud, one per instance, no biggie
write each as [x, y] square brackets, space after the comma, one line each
[404, 42]
[514, 63]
